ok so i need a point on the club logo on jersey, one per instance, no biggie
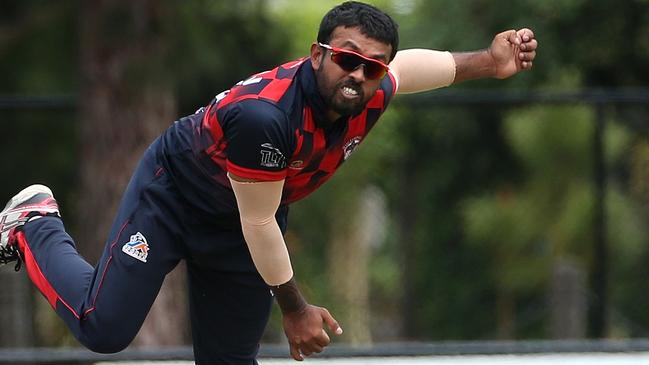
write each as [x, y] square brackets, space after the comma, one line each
[271, 156]
[137, 247]
[351, 145]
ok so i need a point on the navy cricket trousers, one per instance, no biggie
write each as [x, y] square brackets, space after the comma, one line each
[155, 227]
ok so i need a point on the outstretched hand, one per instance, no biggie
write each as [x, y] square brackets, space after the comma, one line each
[305, 333]
[513, 51]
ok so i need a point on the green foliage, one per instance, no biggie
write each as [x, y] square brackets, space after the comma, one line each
[38, 48]
[301, 22]
[214, 44]
[38, 54]
[550, 215]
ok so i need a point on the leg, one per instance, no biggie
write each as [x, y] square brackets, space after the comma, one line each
[105, 306]
[229, 308]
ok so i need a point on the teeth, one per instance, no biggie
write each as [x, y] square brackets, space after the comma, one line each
[349, 91]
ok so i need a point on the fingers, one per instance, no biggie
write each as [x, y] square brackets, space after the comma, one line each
[331, 322]
[528, 43]
[312, 338]
[323, 340]
[316, 344]
[300, 350]
[295, 352]
[511, 36]
[303, 347]
[527, 56]
[527, 47]
[523, 37]
[308, 350]
[525, 34]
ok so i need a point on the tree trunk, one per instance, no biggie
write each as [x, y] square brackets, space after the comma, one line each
[568, 301]
[16, 314]
[124, 105]
[505, 314]
[349, 255]
[407, 209]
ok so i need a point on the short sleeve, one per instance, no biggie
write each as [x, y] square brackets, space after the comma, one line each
[389, 85]
[258, 140]
[393, 82]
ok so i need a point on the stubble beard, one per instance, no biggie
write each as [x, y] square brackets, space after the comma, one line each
[338, 104]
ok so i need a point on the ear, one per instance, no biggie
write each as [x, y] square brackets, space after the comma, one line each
[316, 55]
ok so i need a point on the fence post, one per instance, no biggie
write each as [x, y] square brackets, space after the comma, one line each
[599, 273]
[16, 314]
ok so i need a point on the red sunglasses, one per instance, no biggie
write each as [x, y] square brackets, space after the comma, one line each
[351, 61]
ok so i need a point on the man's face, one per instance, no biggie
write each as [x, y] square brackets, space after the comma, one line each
[347, 92]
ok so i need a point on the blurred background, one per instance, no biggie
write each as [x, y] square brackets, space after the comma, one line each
[491, 210]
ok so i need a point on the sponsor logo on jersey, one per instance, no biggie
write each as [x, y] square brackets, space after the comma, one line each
[271, 156]
[296, 165]
[137, 247]
[351, 145]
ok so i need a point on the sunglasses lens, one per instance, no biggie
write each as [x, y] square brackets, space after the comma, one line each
[374, 71]
[350, 62]
[347, 61]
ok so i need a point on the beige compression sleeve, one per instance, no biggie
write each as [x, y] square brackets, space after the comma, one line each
[258, 202]
[422, 69]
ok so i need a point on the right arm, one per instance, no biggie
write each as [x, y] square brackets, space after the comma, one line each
[257, 202]
[303, 323]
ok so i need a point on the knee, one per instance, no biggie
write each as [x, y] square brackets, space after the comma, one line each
[105, 343]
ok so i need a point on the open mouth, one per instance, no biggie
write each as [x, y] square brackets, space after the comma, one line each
[349, 92]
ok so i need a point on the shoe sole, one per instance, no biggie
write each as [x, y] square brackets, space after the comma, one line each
[26, 194]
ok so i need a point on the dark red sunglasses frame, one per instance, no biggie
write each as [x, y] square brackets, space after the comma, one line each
[350, 61]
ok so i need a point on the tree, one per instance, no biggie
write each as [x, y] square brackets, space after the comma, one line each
[546, 221]
[126, 101]
[33, 143]
[128, 98]
[440, 265]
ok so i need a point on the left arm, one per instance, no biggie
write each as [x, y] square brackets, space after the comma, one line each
[509, 53]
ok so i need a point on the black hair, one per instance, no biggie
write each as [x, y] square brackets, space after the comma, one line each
[372, 22]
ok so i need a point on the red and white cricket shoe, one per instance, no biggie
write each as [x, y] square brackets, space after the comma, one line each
[33, 202]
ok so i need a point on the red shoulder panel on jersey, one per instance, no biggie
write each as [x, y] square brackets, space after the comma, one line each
[255, 174]
[275, 89]
[377, 100]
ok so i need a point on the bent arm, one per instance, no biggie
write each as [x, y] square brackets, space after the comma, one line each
[425, 69]
[418, 70]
